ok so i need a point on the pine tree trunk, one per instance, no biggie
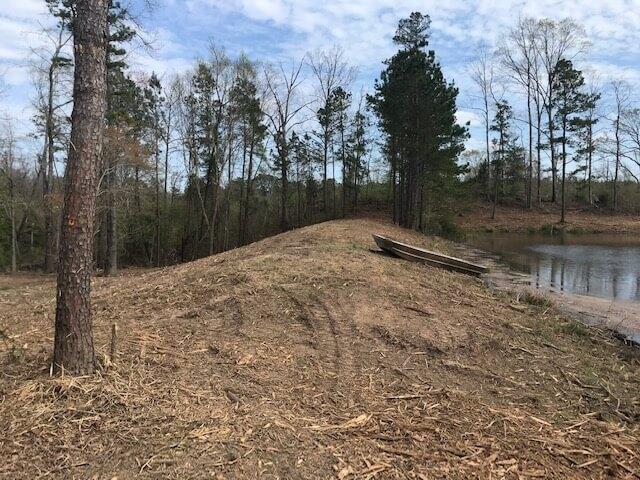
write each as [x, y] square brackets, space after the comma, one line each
[241, 194]
[325, 161]
[157, 212]
[284, 194]
[73, 344]
[247, 199]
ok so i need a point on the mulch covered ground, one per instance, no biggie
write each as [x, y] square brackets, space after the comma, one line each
[308, 355]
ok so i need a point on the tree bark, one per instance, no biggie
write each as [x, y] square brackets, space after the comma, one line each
[73, 344]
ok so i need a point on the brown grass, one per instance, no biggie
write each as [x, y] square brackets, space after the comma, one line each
[307, 355]
[514, 219]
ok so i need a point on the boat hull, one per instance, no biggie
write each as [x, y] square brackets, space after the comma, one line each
[416, 254]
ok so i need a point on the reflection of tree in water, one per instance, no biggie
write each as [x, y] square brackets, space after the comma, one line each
[590, 270]
[599, 265]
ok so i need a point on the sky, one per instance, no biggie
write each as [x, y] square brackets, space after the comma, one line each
[274, 30]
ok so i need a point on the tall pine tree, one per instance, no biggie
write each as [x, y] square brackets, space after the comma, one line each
[416, 109]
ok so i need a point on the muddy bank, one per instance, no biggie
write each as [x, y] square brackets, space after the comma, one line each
[546, 218]
[621, 316]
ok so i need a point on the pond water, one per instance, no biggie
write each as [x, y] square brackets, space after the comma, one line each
[599, 265]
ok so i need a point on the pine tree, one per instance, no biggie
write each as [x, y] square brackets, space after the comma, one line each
[416, 109]
[73, 344]
[502, 126]
[568, 101]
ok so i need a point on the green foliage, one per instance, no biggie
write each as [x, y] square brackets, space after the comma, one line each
[416, 110]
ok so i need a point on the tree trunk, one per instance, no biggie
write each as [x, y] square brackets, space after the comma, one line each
[248, 192]
[157, 212]
[325, 161]
[344, 170]
[589, 169]
[530, 120]
[554, 166]
[284, 194]
[73, 344]
[47, 179]
[488, 145]
[12, 214]
[241, 194]
[539, 159]
[111, 223]
[564, 169]
[617, 167]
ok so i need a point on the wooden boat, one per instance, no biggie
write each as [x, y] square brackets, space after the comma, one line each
[415, 254]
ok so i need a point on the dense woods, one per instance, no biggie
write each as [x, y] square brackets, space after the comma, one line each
[236, 149]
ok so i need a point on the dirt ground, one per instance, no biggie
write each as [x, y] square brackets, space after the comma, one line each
[515, 219]
[308, 355]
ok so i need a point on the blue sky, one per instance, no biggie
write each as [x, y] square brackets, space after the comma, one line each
[273, 30]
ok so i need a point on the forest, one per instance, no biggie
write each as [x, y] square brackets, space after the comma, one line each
[237, 149]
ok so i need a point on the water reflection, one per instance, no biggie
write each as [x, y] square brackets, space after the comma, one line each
[599, 265]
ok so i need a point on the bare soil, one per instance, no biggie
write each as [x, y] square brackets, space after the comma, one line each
[308, 355]
[519, 220]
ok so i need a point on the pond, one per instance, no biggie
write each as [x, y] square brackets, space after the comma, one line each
[599, 265]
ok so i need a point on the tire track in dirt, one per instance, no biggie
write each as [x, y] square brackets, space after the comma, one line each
[329, 337]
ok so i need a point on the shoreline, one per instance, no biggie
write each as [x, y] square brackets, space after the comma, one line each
[619, 316]
[545, 219]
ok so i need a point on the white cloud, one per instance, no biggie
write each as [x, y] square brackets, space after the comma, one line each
[280, 29]
[464, 116]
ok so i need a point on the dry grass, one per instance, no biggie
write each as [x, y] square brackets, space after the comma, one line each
[307, 355]
[510, 219]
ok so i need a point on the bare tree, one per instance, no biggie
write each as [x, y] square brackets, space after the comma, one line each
[51, 81]
[482, 74]
[517, 52]
[283, 115]
[621, 96]
[630, 129]
[555, 41]
[331, 71]
[73, 344]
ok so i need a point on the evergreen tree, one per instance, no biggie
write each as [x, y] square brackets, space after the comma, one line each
[416, 109]
[502, 126]
[568, 101]
[585, 141]
[247, 107]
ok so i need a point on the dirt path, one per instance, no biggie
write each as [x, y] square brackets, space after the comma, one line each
[308, 355]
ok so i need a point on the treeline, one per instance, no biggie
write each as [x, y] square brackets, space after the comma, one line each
[235, 150]
[554, 130]
[193, 164]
